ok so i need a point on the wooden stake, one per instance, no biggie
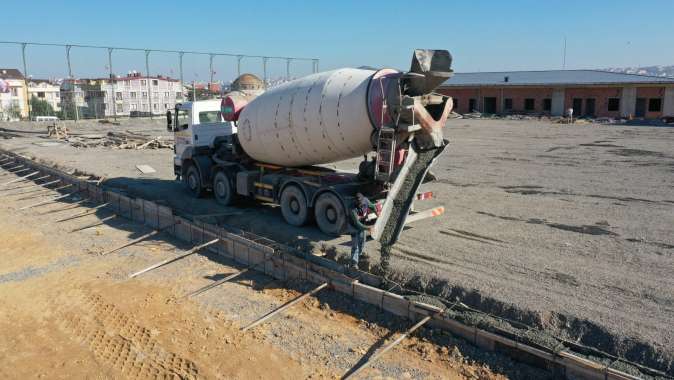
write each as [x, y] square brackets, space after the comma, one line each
[138, 240]
[70, 206]
[389, 346]
[101, 221]
[88, 212]
[50, 200]
[20, 178]
[285, 306]
[168, 261]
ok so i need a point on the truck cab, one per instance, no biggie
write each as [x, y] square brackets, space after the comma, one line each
[196, 126]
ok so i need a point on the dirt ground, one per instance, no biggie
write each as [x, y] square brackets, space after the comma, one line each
[69, 312]
[565, 227]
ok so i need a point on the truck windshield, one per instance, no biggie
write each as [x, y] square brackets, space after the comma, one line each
[209, 117]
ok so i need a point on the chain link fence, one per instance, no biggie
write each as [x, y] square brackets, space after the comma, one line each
[75, 81]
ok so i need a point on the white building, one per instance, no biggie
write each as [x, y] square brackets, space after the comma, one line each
[132, 95]
[13, 95]
[45, 90]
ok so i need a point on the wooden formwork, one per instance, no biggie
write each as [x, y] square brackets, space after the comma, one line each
[247, 249]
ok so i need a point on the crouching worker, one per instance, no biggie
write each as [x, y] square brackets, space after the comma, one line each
[359, 226]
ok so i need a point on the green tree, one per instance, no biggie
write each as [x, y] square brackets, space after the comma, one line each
[40, 107]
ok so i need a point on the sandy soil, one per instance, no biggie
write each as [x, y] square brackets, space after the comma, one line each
[69, 312]
[567, 228]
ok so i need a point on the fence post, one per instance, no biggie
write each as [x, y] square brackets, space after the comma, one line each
[182, 82]
[72, 82]
[112, 85]
[238, 65]
[147, 78]
[25, 78]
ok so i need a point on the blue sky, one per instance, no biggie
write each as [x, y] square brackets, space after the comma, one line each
[481, 35]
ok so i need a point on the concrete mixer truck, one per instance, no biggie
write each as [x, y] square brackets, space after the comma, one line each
[267, 145]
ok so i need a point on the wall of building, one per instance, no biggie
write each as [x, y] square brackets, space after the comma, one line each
[562, 99]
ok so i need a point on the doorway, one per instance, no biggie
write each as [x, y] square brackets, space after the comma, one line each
[471, 105]
[640, 109]
[589, 107]
[577, 107]
[490, 105]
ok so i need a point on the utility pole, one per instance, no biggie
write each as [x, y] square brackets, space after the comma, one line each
[147, 77]
[264, 70]
[25, 78]
[112, 84]
[72, 82]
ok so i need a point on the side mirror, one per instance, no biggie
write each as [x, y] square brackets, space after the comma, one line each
[169, 121]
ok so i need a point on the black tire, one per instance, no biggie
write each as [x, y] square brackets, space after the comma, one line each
[330, 214]
[294, 206]
[192, 181]
[223, 189]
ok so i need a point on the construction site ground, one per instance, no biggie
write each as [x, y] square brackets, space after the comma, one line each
[565, 227]
[68, 311]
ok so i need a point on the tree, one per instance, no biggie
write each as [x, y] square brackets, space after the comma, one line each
[41, 107]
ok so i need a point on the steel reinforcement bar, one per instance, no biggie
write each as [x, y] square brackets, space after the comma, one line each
[276, 261]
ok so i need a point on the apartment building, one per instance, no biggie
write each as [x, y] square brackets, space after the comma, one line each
[131, 95]
[46, 90]
[13, 95]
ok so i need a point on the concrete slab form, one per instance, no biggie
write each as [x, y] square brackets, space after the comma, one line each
[277, 261]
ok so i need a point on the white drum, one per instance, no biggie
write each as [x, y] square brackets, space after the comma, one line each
[313, 120]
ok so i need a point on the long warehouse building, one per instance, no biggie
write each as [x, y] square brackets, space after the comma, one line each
[590, 93]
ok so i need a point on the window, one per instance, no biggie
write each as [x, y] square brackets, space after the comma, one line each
[145, 107]
[654, 105]
[209, 117]
[40, 94]
[614, 104]
[455, 100]
[119, 108]
[166, 94]
[58, 95]
[547, 104]
[165, 106]
[143, 82]
[127, 83]
[508, 104]
[133, 94]
[154, 106]
[529, 104]
[15, 92]
[134, 106]
[178, 95]
[155, 82]
[144, 94]
[118, 96]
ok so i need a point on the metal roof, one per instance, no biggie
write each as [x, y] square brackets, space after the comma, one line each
[551, 77]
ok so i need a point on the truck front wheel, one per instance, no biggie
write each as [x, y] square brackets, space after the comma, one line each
[330, 214]
[222, 188]
[294, 206]
[192, 181]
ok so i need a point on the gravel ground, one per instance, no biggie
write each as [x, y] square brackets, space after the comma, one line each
[567, 228]
[94, 322]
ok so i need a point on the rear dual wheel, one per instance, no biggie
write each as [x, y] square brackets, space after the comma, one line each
[223, 189]
[330, 214]
[294, 206]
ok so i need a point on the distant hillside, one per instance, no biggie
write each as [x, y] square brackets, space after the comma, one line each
[659, 71]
